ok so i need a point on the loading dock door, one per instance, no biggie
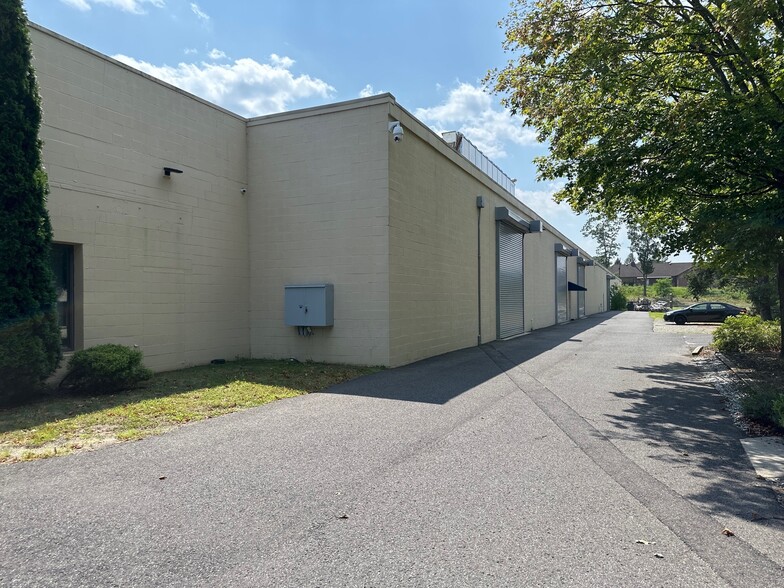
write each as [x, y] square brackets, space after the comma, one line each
[561, 291]
[511, 320]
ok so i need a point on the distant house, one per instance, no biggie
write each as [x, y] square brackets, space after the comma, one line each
[678, 272]
[630, 273]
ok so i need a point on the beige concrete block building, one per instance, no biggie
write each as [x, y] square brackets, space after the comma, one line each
[179, 226]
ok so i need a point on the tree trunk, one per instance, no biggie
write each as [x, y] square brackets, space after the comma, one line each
[764, 304]
[780, 284]
[645, 286]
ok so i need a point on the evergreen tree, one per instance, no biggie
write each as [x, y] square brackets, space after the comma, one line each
[29, 335]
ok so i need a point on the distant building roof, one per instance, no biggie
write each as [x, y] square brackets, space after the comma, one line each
[670, 269]
[665, 269]
[626, 270]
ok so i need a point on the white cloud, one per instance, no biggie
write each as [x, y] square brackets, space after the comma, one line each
[191, 51]
[78, 4]
[132, 6]
[472, 111]
[216, 54]
[368, 91]
[245, 86]
[542, 200]
[278, 61]
[200, 14]
[559, 215]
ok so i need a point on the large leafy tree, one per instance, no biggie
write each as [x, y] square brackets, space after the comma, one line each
[700, 280]
[667, 113]
[29, 336]
[604, 231]
[760, 290]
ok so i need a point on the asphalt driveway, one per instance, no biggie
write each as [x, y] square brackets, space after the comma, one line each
[590, 454]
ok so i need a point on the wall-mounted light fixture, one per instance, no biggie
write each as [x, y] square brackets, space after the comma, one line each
[168, 171]
[397, 130]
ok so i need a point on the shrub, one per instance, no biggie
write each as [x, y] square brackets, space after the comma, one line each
[778, 410]
[105, 369]
[765, 405]
[618, 299]
[662, 288]
[631, 292]
[746, 333]
[29, 352]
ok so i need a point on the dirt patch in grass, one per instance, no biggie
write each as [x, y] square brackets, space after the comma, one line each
[59, 424]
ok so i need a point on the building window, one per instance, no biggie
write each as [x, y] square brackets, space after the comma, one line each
[63, 270]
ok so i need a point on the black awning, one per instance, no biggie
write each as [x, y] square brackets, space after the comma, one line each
[577, 287]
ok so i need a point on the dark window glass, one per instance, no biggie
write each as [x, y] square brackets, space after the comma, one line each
[62, 268]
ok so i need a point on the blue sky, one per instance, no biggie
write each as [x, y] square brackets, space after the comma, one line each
[260, 57]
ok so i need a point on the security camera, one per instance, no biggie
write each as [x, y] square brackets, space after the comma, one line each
[397, 131]
[243, 190]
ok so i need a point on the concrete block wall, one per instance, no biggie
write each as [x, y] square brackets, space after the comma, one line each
[539, 251]
[318, 213]
[434, 296]
[596, 296]
[433, 248]
[190, 268]
[164, 261]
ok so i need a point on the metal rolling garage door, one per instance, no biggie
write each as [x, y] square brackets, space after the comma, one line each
[511, 321]
[561, 290]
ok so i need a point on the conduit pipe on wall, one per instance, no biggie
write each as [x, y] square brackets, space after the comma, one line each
[480, 204]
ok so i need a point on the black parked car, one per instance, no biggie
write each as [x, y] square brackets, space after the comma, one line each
[703, 312]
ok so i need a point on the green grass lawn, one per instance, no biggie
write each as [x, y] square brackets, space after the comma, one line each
[59, 424]
[682, 298]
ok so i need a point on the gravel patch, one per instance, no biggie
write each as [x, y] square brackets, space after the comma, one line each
[659, 326]
[728, 384]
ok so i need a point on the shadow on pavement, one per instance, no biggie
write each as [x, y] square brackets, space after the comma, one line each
[438, 380]
[691, 425]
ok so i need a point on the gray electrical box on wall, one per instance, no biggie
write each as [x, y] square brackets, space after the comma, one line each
[309, 305]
